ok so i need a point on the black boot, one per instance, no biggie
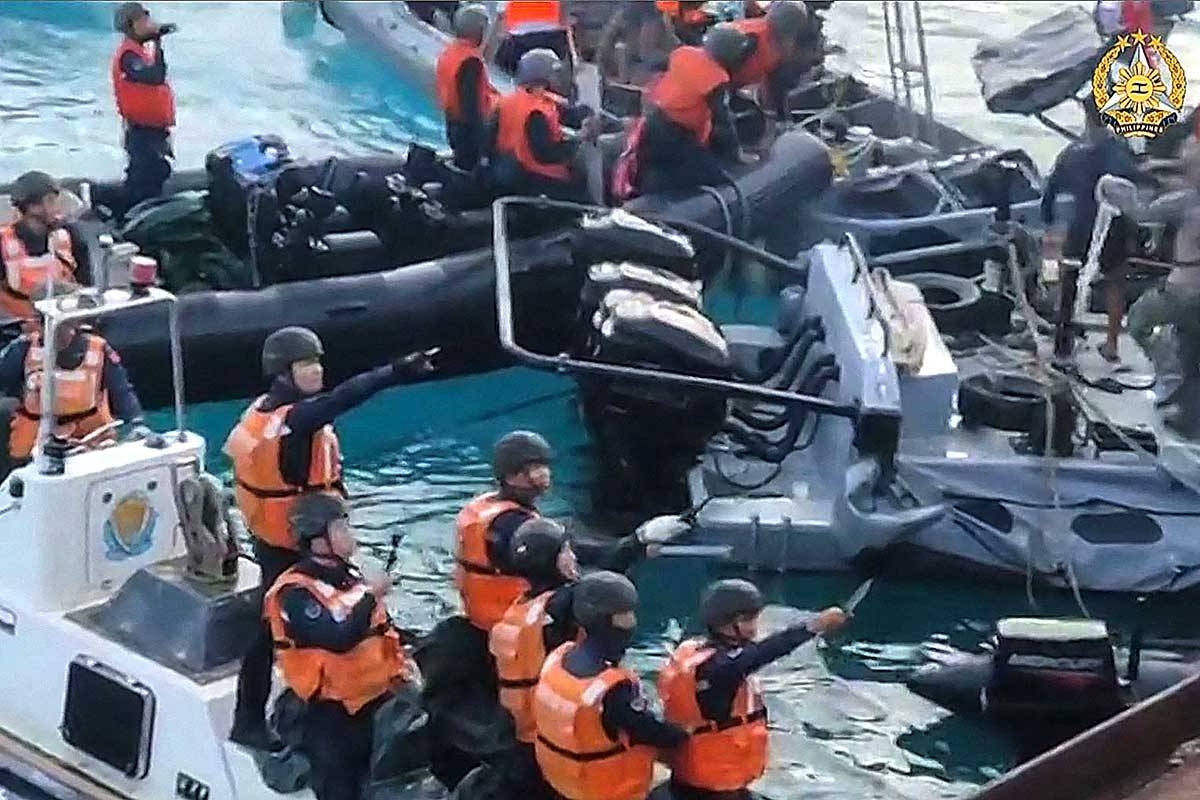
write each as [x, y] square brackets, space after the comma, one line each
[256, 735]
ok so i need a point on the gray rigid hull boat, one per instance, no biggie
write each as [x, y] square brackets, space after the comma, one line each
[1108, 502]
[852, 432]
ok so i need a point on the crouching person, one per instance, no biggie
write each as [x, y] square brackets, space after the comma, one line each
[335, 646]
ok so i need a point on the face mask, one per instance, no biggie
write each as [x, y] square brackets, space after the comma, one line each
[612, 642]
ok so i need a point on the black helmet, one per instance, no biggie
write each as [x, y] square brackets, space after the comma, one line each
[32, 187]
[727, 45]
[517, 450]
[540, 65]
[725, 601]
[311, 514]
[288, 345]
[535, 547]
[471, 22]
[126, 14]
[600, 595]
[786, 19]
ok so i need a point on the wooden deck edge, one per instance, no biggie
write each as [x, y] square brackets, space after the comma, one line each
[1111, 752]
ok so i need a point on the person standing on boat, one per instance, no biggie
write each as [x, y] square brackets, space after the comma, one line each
[1177, 302]
[542, 619]
[1076, 171]
[283, 446]
[335, 644]
[38, 246]
[92, 389]
[596, 736]
[708, 686]
[532, 154]
[145, 101]
[689, 129]
[776, 54]
[465, 95]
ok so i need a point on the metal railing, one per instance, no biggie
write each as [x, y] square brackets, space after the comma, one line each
[56, 312]
[907, 75]
[563, 362]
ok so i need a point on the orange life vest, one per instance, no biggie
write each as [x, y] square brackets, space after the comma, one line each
[263, 495]
[690, 13]
[513, 112]
[457, 53]
[530, 14]
[518, 644]
[24, 274]
[486, 591]
[683, 91]
[80, 401]
[763, 61]
[576, 755]
[151, 106]
[353, 678]
[718, 756]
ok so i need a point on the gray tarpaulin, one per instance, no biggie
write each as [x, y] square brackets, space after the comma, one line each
[1042, 66]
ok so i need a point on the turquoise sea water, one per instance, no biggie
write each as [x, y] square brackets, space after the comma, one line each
[844, 725]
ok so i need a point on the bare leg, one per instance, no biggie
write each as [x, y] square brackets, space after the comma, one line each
[1114, 296]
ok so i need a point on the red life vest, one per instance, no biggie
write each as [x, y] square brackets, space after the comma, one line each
[24, 274]
[486, 592]
[263, 495]
[80, 401]
[717, 757]
[452, 59]
[522, 15]
[683, 91]
[1136, 15]
[353, 678]
[576, 755]
[763, 61]
[139, 103]
[513, 112]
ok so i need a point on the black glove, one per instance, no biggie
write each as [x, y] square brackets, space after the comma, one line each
[417, 364]
[169, 27]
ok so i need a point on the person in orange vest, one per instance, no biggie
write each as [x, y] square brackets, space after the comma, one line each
[486, 581]
[37, 246]
[689, 130]
[596, 737]
[145, 101]
[708, 687]
[775, 54]
[284, 445]
[542, 619]
[646, 32]
[532, 152]
[465, 95]
[92, 388]
[689, 19]
[531, 25]
[335, 645]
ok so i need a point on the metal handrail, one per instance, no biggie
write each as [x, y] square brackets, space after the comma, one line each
[565, 363]
[111, 301]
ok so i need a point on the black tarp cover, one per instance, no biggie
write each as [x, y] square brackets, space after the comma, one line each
[1041, 67]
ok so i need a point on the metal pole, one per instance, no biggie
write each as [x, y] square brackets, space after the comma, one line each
[176, 365]
[887, 30]
[49, 363]
[931, 132]
[904, 73]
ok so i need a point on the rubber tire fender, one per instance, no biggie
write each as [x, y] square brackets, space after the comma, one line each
[955, 313]
[1008, 401]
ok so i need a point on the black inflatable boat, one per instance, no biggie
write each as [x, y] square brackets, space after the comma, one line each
[1048, 672]
[399, 274]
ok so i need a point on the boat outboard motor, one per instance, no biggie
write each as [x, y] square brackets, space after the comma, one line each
[241, 194]
[1052, 670]
[620, 236]
[649, 434]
